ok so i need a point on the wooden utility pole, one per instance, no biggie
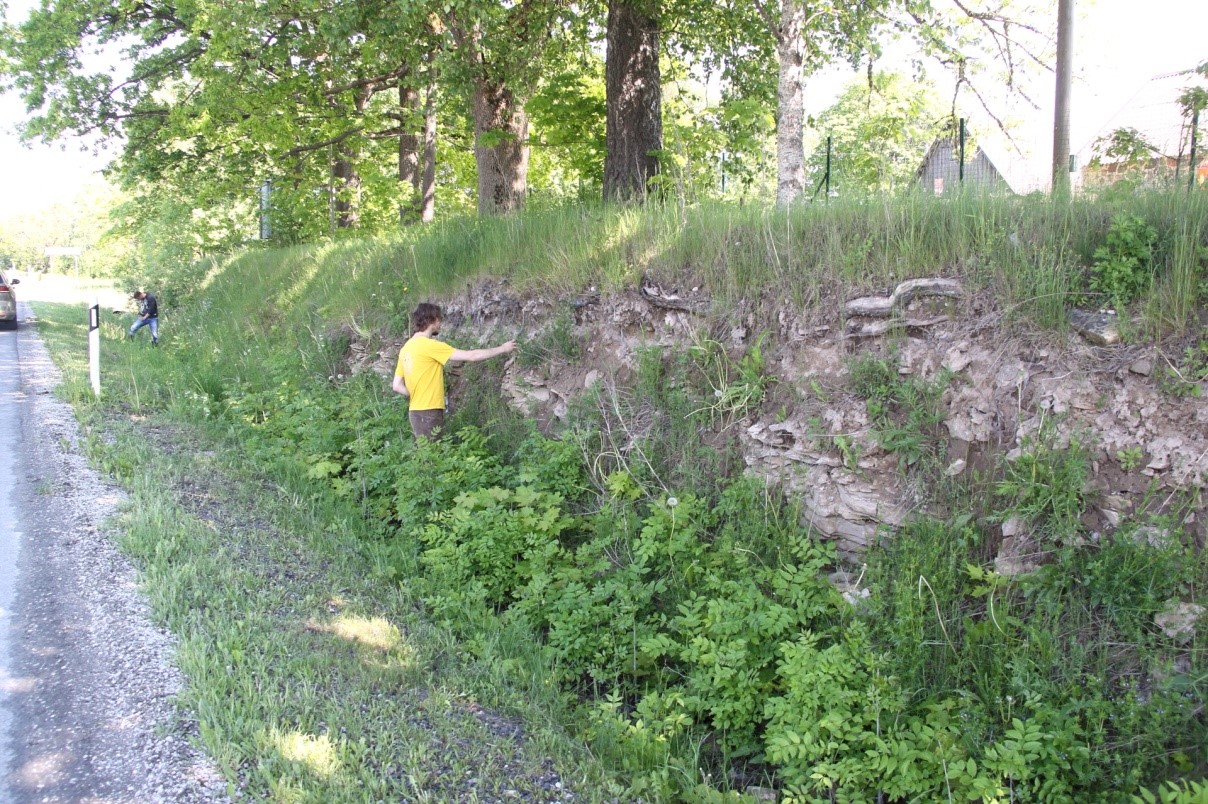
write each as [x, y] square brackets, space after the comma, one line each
[1061, 110]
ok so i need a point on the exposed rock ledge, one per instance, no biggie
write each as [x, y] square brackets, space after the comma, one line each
[1148, 448]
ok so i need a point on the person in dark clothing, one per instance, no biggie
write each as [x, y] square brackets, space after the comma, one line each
[148, 316]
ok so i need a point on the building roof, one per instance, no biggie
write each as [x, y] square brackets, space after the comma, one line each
[973, 149]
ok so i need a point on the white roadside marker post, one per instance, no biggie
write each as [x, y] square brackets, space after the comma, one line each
[94, 346]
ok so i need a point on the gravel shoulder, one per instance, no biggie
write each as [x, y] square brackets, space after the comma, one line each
[91, 686]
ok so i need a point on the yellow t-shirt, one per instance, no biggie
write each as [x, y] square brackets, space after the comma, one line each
[421, 364]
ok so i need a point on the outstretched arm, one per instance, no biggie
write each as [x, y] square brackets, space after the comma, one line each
[476, 355]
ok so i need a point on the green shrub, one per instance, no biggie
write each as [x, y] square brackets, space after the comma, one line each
[437, 473]
[1183, 791]
[489, 544]
[871, 376]
[596, 613]
[836, 702]
[905, 411]
[920, 593]
[686, 607]
[734, 388]
[556, 342]
[1047, 485]
[1185, 376]
[707, 627]
[1123, 267]
[726, 637]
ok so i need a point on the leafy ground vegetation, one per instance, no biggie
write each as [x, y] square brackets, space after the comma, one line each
[623, 581]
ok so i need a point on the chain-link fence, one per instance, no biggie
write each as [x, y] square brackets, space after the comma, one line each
[948, 159]
[1156, 139]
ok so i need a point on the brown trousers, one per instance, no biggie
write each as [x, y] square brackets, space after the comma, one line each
[427, 423]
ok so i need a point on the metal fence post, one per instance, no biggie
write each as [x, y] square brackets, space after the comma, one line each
[1191, 173]
[961, 169]
[828, 167]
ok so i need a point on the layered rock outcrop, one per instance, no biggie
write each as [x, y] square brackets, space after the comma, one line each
[1005, 388]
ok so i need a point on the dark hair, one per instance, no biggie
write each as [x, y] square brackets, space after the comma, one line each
[138, 294]
[424, 316]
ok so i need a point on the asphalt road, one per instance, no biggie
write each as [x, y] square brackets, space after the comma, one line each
[85, 689]
[49, 730]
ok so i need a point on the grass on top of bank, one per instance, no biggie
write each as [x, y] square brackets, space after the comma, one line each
[273, 316]
[1036, 257]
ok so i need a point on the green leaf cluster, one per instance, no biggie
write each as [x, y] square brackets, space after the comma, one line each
[1047, 485]
[880, 130]
[703, 633]
[905, 411]
[1123, 267]
[737, 385]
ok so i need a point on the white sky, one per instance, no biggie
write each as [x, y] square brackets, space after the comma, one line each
[1120, 45]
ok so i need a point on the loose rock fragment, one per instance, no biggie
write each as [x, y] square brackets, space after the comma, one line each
[903, 294]
[1099, 327]
[1178, 621]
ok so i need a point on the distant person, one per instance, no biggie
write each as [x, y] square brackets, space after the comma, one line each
[148, 316]
[420, 374]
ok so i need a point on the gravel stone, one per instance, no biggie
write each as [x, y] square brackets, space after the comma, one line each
[113, 662]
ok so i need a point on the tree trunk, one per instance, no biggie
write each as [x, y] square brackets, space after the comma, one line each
[500, 148]
[790, 112]
[345, 179]
[1061, 110]
[427, 186]
[346, 186]
[409, 147]
[417, 155]
[633, 89]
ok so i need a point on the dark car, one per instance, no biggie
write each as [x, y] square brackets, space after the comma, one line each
[8, 302]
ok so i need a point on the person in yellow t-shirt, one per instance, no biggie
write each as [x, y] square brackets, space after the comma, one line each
[420, 374]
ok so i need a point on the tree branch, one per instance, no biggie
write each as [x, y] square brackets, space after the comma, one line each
[317, 146]
[376, 83]
[160, 70]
